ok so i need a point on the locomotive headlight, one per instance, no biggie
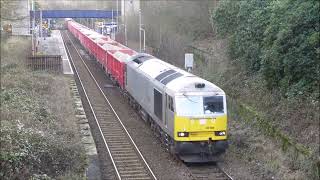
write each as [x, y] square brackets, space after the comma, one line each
[183, 134]
[220, 133]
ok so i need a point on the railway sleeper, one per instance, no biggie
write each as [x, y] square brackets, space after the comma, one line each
[131, 168]
[129, 165]
[120, 148]
[114, 131]
[123, 154]
[132, 161]
[135, 175]
[125, 157]
[133, 171]
[134, 178]
[112, 140]
[114, 136]
[118, 142]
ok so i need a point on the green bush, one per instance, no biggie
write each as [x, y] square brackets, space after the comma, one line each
[279, 39]
[31, 142]
[29, 152]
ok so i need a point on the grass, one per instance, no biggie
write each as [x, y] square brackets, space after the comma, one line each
[38, 134]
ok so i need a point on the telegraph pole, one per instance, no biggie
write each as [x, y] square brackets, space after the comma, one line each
[117, 15]
[125, 22]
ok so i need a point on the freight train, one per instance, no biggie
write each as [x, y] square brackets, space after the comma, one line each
[187, 113]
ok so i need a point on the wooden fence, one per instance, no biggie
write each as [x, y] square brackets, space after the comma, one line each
[51, 63]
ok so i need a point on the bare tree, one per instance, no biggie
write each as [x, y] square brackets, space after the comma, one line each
[9, 11]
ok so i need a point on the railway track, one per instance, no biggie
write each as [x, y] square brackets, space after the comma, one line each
[208, 171]
[127, 160]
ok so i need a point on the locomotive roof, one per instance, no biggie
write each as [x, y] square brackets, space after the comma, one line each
[186, 84]
[174, 78]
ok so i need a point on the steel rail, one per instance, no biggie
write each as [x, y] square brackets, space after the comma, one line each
[224, 172]
[114, 112]
[91, 108]
[209, 172]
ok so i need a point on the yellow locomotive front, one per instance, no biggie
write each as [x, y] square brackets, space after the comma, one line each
[200, 126]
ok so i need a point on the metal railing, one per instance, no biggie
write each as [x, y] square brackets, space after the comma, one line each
[51, 63]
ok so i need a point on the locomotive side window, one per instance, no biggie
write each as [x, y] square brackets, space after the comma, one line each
[157, 103]
[142, 59]
[170, 103]
[213, 104]
[137, 61]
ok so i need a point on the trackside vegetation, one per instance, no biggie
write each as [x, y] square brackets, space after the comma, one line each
[38, 134]
[278, 39]
[273, 82]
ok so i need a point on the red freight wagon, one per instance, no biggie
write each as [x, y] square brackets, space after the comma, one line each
[74, 28]
[101, 49]
[86, 41]
[100, 52]
[80, 35]
[108, 60]
[116, 63]
[95, 47]
[111, 54]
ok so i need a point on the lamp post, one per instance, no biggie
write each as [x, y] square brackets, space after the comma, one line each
[144, 39]
[144, 34]
[139, 30]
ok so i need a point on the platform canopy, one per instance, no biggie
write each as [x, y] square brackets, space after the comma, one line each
[76, 13]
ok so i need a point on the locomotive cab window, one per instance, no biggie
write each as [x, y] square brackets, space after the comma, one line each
[213, 104]
[189, 105]
[199, 105]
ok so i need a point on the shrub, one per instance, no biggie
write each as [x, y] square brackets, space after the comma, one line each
[279, 39]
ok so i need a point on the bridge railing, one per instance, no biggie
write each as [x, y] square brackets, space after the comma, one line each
[75, 14]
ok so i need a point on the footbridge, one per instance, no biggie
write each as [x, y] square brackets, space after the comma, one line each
[75, 13]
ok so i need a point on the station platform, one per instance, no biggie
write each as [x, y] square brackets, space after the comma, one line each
[54, 45]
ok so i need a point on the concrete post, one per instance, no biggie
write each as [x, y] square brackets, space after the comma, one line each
[117, 15]
[139, 30]
[125, 23]
[32, 28]
[40, 22]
